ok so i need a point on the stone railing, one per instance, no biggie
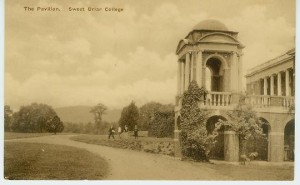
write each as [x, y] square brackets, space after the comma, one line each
[258, 100]
[270, 101]
[227, 99]
[217, 99]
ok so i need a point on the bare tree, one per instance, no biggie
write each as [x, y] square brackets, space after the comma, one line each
[98, 111]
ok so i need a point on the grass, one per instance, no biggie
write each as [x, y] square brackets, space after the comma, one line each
[255, 172]
[17, 135]
[33, 161]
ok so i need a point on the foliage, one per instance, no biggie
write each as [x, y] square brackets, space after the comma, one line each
[7, 118]
[98, 111]
[54, 125]
[162, 124]
[35, 118]
[244, 121]
[194, 137]
[146, 114]
[129, 116]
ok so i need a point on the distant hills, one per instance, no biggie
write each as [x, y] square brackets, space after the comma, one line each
[81, 114]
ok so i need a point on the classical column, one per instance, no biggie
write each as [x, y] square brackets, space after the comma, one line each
[226, 81]
[265, 86]
[182, 77]
[279, 84]
[179, 78]
[272, 85]
[234, 72]
[199, 69]
[240, 79]
[187, 71]
[287, 83]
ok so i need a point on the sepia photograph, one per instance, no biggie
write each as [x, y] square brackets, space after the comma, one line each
[164, 90]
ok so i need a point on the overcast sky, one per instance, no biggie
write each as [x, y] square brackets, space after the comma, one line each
[83, 58]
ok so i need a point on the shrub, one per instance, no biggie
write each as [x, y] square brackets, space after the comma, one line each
[194, 138]
[162, 125]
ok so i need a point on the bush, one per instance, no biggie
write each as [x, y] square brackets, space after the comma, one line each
[194, 137]
[162, 125]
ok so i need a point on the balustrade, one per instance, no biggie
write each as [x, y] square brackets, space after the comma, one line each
[217, 99]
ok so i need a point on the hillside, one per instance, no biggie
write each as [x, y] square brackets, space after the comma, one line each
[81, 114]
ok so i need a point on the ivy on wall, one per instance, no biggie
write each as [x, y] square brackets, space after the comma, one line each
[194, 139]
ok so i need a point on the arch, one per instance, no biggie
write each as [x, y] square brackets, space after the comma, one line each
[216, 78]
[262, 143]
[216, 150]
[218, 56]
[265, 125]
[289, 140]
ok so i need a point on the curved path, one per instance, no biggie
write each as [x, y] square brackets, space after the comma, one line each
[133, 165]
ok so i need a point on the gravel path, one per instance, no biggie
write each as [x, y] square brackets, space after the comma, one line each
[133, 165]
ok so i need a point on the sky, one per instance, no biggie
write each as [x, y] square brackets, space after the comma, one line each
[85, 58]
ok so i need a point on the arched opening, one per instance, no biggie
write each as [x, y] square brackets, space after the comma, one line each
[217, 149]
[289, 141]
[263, 143]
[215, 80]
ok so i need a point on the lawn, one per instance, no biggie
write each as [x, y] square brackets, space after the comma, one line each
[33, 161]
[17, 135]
[254, 172]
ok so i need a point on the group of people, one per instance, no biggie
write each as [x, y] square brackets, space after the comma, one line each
[111, 131]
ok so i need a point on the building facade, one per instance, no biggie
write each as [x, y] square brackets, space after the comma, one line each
[271, 90]
[212, 55]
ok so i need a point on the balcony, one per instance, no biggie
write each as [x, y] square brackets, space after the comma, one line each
[227, 99]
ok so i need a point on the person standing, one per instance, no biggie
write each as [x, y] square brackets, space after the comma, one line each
[135, 132]
[111, 132]
[126, 131]
[119, 131]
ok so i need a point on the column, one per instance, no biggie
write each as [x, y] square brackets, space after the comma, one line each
[226, 81]
[234, 72]
[179, 78]
[199, 69]
[287, 83]
[272, 85]
[231, 146]
[182, 77]
[240, 79]
[187, 71]
[204, 76]
[279, 84]
[265, 86]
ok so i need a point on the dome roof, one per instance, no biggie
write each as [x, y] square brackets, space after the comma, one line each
[211, 24]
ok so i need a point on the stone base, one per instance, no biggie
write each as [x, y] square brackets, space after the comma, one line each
[231, 146]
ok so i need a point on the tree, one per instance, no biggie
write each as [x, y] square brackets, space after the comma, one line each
[98, 111]
[162, 124]
[147, 112]
[244, 121]
[193, 136]
[129, 116]
[54, 125]
[7, 117]
[32, 118]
